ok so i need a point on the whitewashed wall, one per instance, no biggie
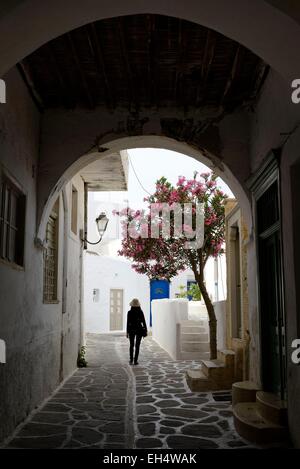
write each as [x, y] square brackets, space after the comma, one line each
[197, 310]
[180, 279]
[108, 270]
[165, 315]
[215, 278]
[220, 310]
[105, 202]
[104, 273]
[41, 340]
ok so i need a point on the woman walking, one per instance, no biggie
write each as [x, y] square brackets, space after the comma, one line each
[136, 329]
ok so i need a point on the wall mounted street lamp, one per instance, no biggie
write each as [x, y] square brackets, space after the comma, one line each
[101, 223]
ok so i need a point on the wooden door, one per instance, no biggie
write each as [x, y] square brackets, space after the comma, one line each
[271, 291]
[116, 310]
[271, 314]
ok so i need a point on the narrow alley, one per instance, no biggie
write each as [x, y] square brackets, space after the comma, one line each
[110, 404]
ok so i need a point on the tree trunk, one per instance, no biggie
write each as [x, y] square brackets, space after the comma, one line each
[212, 320]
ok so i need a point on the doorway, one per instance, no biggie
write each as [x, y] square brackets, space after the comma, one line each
[235, 293]
[116, 309]
[270, 276]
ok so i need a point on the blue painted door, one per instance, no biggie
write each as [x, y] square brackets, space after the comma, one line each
[158, 289]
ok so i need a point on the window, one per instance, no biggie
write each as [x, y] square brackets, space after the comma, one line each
[12, 222]
[51, 257]
[96, 295]
[74, 210]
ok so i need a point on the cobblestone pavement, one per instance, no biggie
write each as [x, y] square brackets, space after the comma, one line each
[111, 404]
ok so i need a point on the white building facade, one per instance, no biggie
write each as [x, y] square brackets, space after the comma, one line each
[110, 283]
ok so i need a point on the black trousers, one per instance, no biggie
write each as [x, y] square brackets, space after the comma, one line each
[135, 341]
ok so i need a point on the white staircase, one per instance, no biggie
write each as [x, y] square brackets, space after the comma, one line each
[193, 340]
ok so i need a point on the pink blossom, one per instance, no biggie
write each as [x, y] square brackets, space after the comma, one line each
[124, 211]
[156, 206]
[174, 196]
[197, 191]
[181, 180]
[190, 184]
[210, 184]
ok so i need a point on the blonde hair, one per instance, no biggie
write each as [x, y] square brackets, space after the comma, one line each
[135, 302]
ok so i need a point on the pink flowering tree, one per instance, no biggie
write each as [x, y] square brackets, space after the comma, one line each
[163, 256]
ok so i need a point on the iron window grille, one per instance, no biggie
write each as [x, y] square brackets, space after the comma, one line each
[12, 222]
[51, 258]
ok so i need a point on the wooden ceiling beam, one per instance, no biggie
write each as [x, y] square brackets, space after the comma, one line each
[207, 60]
[62, 74]
[179, 59]
[27, 77]
[152, 60]
[97, 51]
[209, 53]
[233, 72]
[76, 59]
[66, 96]
[149, 61]
[181, 64]
[124, 53]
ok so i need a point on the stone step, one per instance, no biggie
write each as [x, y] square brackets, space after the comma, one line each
[193, 330]
[199, 356]
[219, 373]
[194, 337]
[194, 346]
[212, 368]
[244, 391]
[272, 408]
[201, 322]
[227, 357]
[197, 381]
[253, 427]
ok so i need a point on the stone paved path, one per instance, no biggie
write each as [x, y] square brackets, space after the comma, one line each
[113, 405]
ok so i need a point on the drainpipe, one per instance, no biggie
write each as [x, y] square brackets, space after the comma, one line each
[85, 214]
[81, 286]
[216, 279]
[83, 247]
[65, 282]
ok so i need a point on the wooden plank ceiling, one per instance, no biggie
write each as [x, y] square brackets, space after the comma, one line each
[143, 61]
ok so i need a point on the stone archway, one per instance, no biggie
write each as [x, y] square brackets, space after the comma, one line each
[151, 141]
[237, 19]
[207, 158]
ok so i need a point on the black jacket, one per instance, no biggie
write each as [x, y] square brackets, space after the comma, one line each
[136, 323]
